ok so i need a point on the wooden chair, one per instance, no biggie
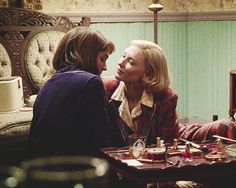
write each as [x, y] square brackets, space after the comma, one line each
[28, 40]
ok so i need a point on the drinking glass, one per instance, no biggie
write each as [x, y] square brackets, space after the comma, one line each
[66, 172]
[11, 176]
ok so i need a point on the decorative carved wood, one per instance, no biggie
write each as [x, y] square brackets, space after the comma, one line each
[16, 25]
[23, 17]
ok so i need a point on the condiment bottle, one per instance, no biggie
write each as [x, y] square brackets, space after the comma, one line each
[158, 142]
[219, 146]
[186, 155]
[175, 144]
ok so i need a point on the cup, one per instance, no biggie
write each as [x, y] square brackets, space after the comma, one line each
[137, 144]
[66, 172]
[11, 177]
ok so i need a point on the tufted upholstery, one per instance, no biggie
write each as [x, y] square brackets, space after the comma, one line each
[5, 62]
[28, 41]
[39, 55]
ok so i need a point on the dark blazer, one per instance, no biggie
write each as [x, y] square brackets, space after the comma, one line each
[69, 114]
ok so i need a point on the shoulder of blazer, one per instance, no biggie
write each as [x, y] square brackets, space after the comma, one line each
[166, 94]
[110, 85]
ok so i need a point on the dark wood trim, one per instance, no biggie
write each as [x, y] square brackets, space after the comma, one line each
[232, 97]
[208, 16]
[148, 17]
[16, 26]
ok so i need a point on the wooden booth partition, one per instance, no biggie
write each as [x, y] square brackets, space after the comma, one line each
[232, 104]
[18, 28]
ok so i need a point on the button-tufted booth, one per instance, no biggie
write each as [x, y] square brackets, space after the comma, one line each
[28, 40]
[38, 56]
[5, 62]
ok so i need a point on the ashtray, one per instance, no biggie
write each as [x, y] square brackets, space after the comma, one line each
[215, 157]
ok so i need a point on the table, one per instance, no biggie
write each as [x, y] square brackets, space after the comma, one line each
[200, 169]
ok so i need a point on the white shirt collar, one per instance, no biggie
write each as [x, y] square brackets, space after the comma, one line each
[127, 116]
[119, 95]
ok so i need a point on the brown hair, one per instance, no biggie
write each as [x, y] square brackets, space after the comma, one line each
[79, 48]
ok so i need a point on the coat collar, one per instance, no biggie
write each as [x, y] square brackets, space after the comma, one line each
[119, 95]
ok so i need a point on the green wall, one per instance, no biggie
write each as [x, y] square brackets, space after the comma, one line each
[200, 56]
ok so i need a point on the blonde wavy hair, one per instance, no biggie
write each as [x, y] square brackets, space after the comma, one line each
[158, 77]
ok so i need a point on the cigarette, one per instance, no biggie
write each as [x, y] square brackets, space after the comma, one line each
[224, 138]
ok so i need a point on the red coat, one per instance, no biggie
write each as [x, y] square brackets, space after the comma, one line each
[160, 121]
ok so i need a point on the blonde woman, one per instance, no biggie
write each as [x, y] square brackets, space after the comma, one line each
[142, 102]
